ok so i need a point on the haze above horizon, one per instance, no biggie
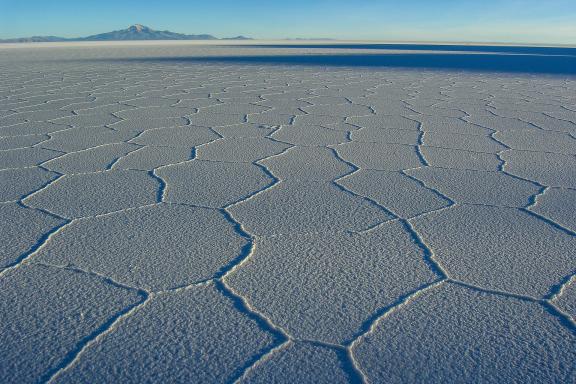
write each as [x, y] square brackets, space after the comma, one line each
[519, 21]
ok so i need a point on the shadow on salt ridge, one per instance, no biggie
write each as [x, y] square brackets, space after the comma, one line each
[506, 49]
[470, 62]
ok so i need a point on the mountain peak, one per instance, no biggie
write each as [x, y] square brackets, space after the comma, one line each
[138, 28]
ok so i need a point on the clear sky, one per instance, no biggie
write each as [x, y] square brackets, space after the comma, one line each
[536, 21]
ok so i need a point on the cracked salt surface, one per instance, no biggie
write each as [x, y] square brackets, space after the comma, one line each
[168, 216]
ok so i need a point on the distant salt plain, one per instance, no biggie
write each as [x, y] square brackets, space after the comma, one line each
[312, 212]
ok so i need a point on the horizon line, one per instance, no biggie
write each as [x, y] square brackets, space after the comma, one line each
[296, 40]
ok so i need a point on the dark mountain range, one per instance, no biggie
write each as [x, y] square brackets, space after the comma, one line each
[34, 39]
[134, 32]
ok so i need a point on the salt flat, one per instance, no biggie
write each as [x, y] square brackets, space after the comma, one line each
[311, 213]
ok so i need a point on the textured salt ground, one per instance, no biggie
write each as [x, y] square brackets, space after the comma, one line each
[168, 217]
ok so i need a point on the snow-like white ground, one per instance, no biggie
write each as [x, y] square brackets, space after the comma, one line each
[198, 214]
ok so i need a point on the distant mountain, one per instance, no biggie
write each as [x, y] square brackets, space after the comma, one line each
[140, 32]
[34, 39]
[134, 32]
[237, 38]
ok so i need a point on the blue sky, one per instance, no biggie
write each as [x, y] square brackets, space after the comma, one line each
[537, 21]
